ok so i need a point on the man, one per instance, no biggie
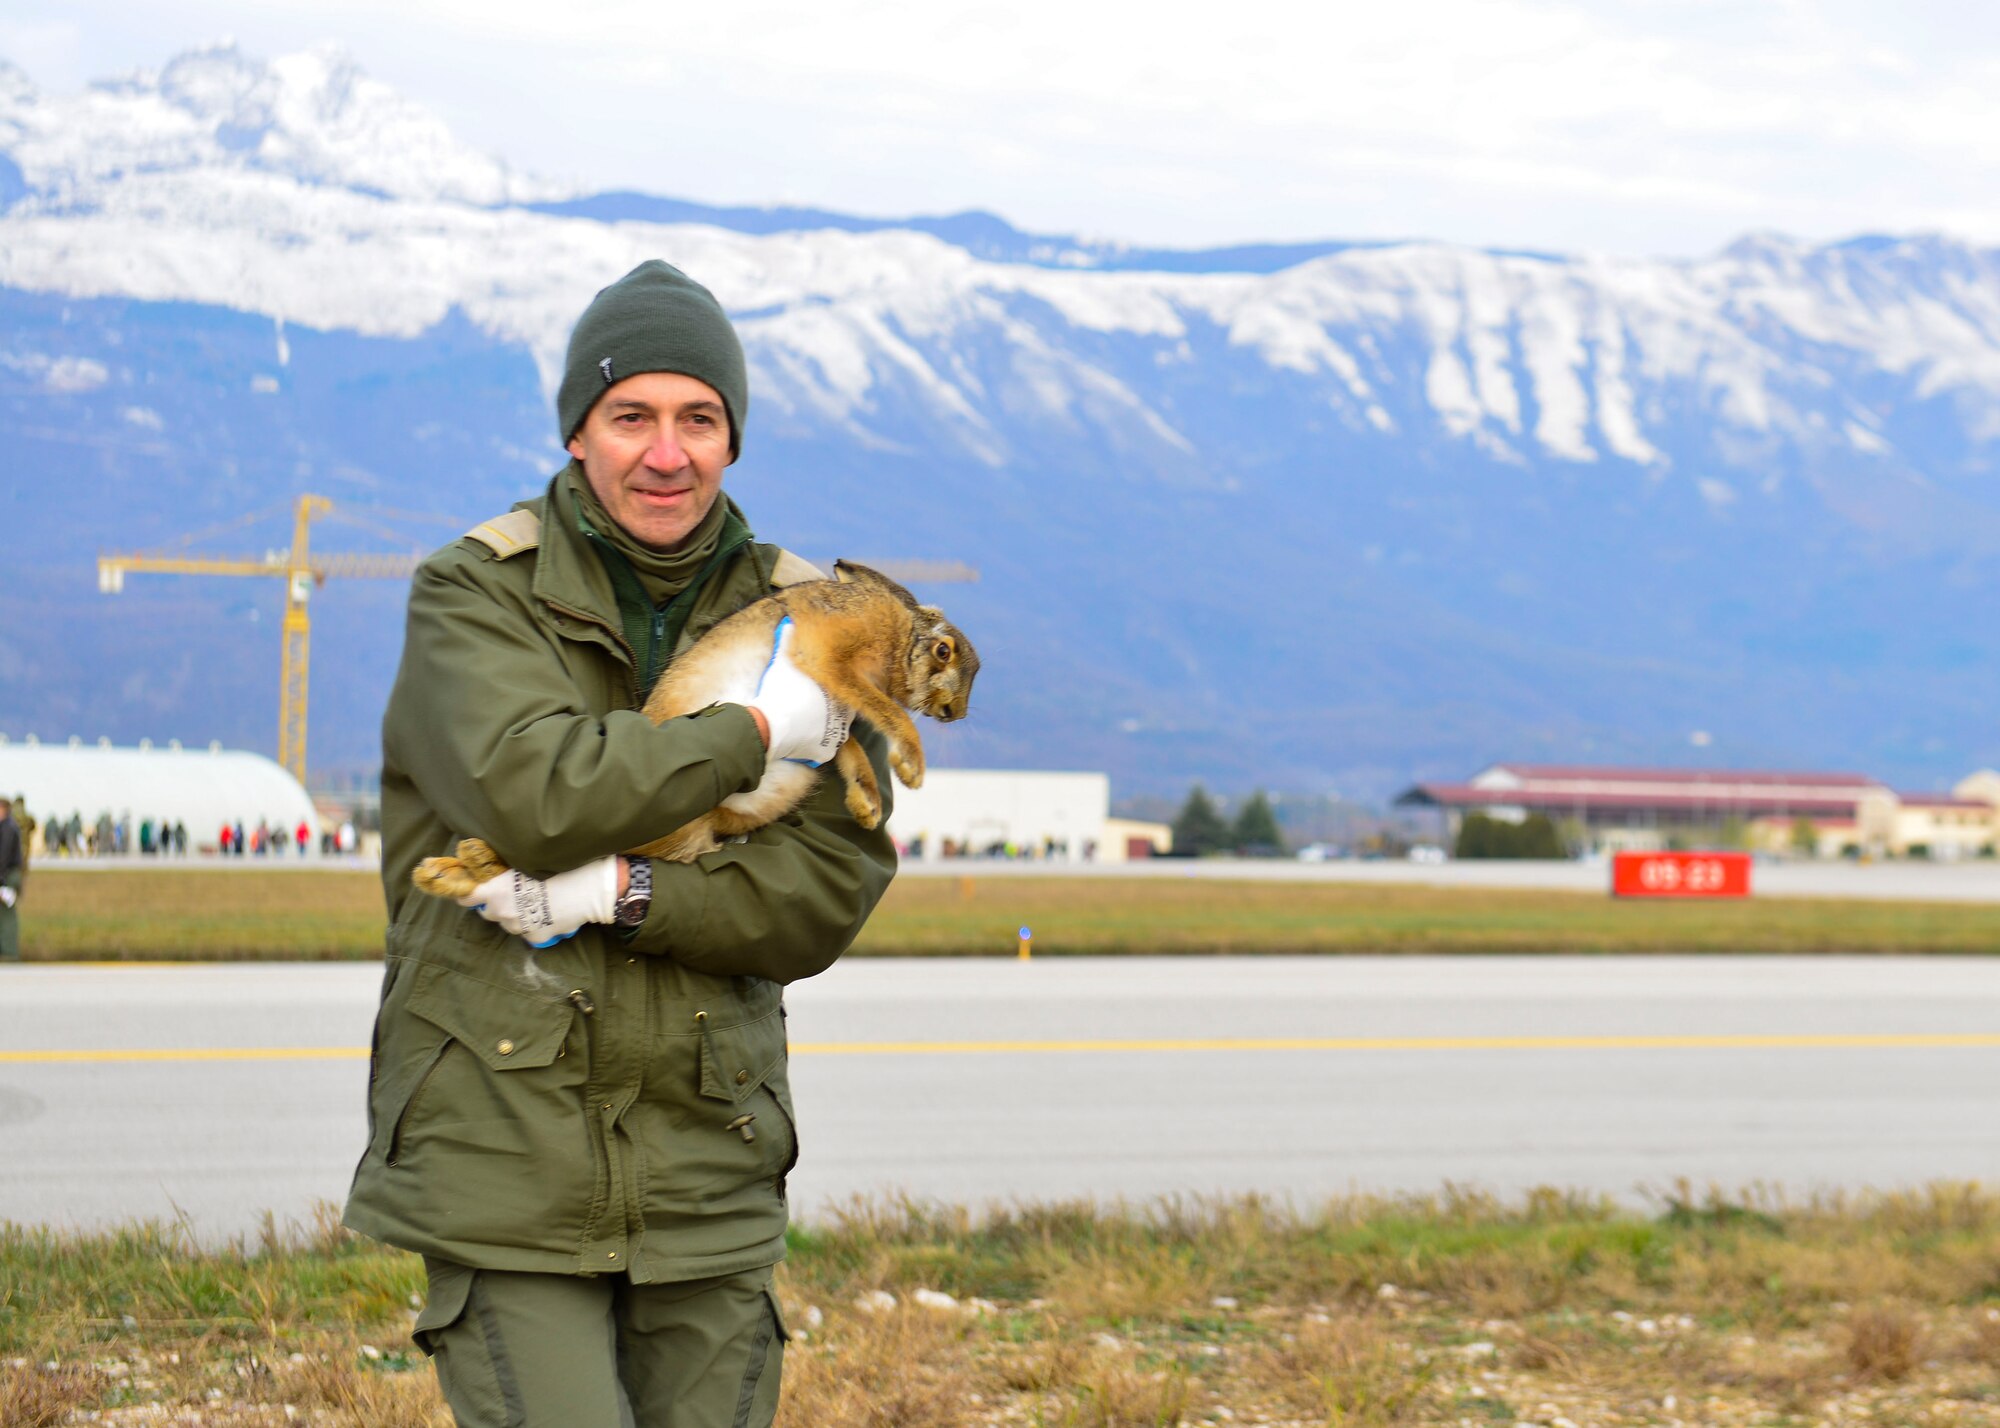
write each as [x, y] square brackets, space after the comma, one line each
[13, 870]
[579, 1111]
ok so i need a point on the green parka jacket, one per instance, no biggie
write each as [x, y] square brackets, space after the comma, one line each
[617, 1102]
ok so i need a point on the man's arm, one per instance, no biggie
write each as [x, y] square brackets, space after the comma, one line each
[785, 904]
[489, 725]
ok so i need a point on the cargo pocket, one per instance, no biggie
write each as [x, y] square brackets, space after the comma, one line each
[476, 1378]
[757, 1398]
[447, 1292]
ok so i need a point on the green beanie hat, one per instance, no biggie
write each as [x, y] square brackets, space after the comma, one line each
[654, 319]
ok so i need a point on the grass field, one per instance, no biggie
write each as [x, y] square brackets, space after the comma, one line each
[254, 914]
[1454, 1310]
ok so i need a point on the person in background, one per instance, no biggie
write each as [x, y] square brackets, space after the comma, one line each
[228, 837]
[304, 836]
[13, 872]
[241, 842]
[27, 823]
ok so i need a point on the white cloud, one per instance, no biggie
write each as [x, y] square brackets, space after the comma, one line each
[1625, 125]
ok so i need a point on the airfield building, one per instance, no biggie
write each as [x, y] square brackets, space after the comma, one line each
[1821, 814]
[1060, 817]
[201, 788]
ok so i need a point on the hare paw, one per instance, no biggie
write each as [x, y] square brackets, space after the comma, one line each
[909, 767]
[443, 877]
[865, 805]
[455, 877]
[481, 862]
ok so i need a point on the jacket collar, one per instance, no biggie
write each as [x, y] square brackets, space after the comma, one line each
[570, 576]
[568, 573]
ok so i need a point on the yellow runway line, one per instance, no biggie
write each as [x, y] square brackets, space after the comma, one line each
[1860, 1041]
[192, 1053]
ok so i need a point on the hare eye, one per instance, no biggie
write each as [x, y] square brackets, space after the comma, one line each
[944, 650]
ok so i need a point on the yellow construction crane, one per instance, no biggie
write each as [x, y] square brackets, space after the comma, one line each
[301, 571]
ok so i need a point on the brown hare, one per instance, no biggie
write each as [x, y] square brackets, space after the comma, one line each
[862, 637]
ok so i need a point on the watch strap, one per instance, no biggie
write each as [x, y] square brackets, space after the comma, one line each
[637, 899]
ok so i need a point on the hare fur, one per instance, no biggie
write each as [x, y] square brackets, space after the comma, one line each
[862, 637]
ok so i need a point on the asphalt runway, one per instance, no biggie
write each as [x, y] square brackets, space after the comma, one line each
[222, 1092]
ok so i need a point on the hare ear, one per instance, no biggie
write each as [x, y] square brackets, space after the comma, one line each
[862, 575]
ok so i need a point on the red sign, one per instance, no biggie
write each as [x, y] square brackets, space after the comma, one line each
[1680, 875]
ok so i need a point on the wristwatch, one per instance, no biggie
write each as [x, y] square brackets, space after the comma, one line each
[637, 900]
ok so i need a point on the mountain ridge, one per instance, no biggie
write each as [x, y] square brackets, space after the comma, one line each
[1389, 509]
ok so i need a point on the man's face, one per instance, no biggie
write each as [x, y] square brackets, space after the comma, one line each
[654, 449]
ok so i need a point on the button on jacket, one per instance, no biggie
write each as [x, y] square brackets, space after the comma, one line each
[619, 1101]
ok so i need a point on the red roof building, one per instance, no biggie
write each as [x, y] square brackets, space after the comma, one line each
[1627, 807]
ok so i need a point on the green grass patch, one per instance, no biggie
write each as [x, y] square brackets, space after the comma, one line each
[295, 914]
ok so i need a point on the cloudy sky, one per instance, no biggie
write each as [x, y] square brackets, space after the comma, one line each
[1644, 127]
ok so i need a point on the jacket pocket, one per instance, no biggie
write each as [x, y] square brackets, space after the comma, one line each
[490, 1144]
[409, 1102]
[736, 1060]
[508, 1030]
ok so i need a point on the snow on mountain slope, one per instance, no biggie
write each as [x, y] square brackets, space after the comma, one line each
[313, 117]
[301, 189]
[1525, 358]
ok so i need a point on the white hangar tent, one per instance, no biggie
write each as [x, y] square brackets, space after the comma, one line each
[1060, 815]
[203, 788]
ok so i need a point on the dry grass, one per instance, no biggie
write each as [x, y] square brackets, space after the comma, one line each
[1365, 1313]
[1350, 1370]
[295, 913]
[43, 1395]
[1884, 1342]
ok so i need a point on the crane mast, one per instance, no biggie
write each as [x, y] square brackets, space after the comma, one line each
[301, 573]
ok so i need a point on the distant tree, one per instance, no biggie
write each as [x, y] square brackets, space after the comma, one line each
[1198, 828]
[1479, 836]
[1805, 837]
[1483, 836]
[1537, 838]
[1256, 831]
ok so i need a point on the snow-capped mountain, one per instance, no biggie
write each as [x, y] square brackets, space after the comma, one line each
[1330, 512]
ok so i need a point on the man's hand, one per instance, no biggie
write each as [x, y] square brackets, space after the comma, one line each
[7, 896]
[805, 725]
[547, 910]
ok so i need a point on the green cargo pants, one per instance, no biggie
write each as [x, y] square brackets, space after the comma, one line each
[596, 1351]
